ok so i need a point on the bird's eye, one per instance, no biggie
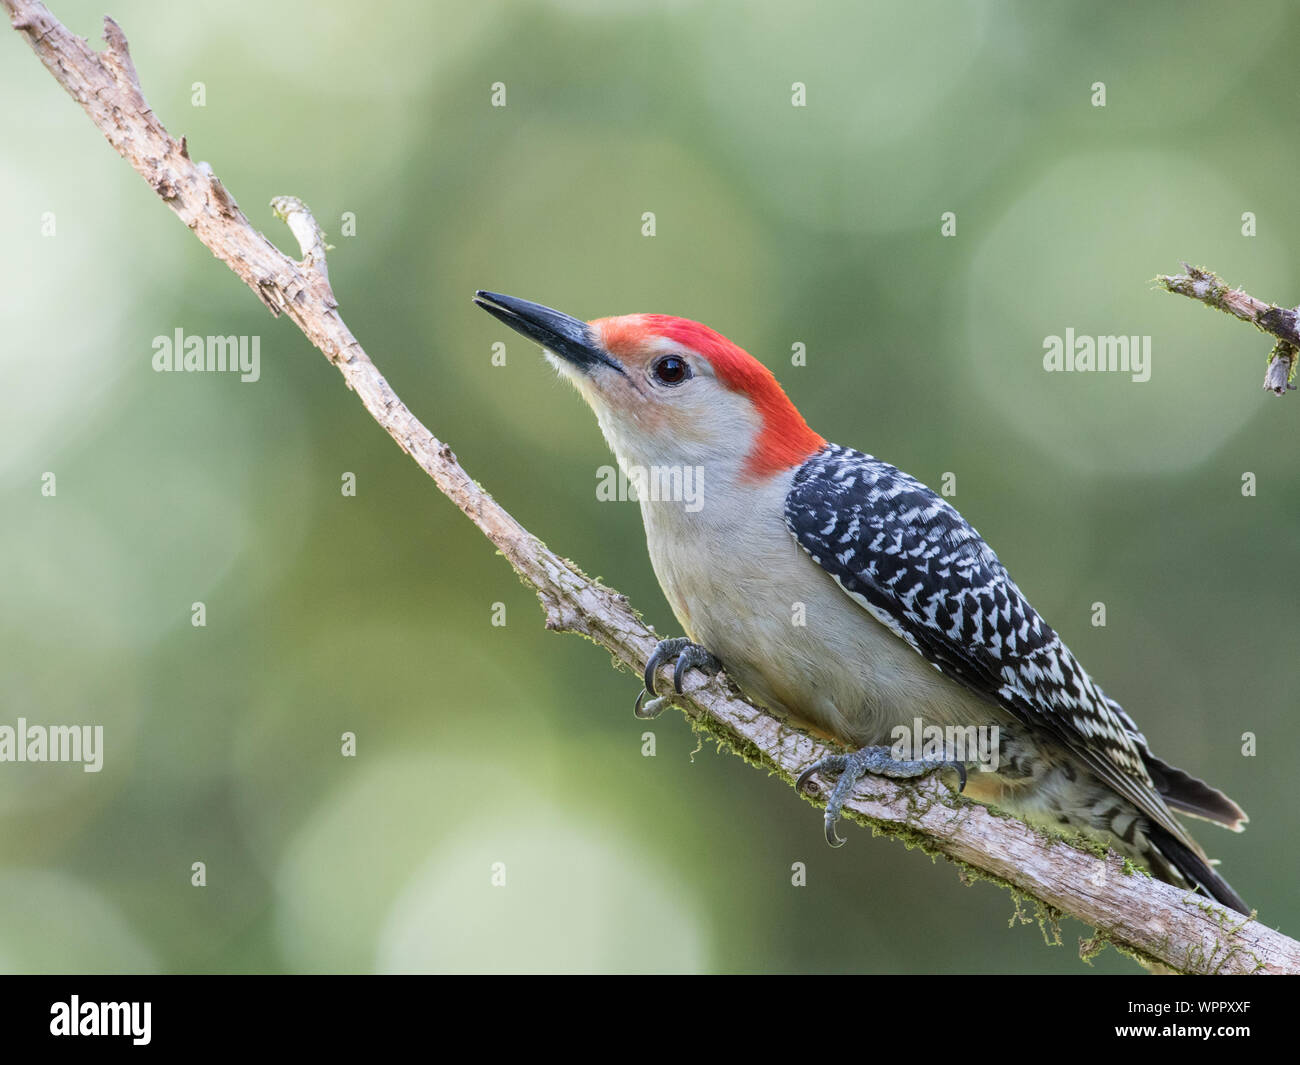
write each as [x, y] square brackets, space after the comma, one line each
[672, 370]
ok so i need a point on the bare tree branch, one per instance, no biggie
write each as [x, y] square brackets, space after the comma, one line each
[1280, 322]
[1152, 920]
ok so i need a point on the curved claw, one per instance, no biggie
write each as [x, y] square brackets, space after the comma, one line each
[646, 711]
[835, 763]
[961, 774]
[651, 668]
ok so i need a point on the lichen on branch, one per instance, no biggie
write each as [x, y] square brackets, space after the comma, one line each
[1280, 322]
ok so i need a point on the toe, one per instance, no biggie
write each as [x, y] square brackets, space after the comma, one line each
[651, 668]
[684, 662]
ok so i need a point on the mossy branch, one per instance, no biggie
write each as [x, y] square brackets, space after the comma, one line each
[1147, 919]
[1280, 322]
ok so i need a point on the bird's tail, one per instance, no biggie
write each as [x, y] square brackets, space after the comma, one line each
[1184, 792]
[1172, 860]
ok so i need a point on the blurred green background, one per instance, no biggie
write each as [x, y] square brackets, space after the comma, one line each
[481, 744]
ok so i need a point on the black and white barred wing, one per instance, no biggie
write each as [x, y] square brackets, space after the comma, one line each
[919, 568]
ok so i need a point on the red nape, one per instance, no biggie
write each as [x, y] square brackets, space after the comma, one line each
[785, 439]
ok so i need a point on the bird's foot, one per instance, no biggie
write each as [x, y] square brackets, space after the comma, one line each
[688, 655]
[877, 761]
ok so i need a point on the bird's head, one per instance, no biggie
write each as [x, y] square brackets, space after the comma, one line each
[668, 390]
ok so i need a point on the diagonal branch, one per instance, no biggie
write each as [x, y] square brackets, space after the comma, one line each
[1152, 920]
[1280, 322]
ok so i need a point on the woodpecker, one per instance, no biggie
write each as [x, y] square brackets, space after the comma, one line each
[906, 612]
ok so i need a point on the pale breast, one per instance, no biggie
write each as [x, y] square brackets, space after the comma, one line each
[787, 634]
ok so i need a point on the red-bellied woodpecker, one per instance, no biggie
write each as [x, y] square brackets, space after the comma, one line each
[835, 589]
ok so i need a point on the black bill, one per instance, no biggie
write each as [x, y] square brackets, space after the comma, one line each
[566, 336]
